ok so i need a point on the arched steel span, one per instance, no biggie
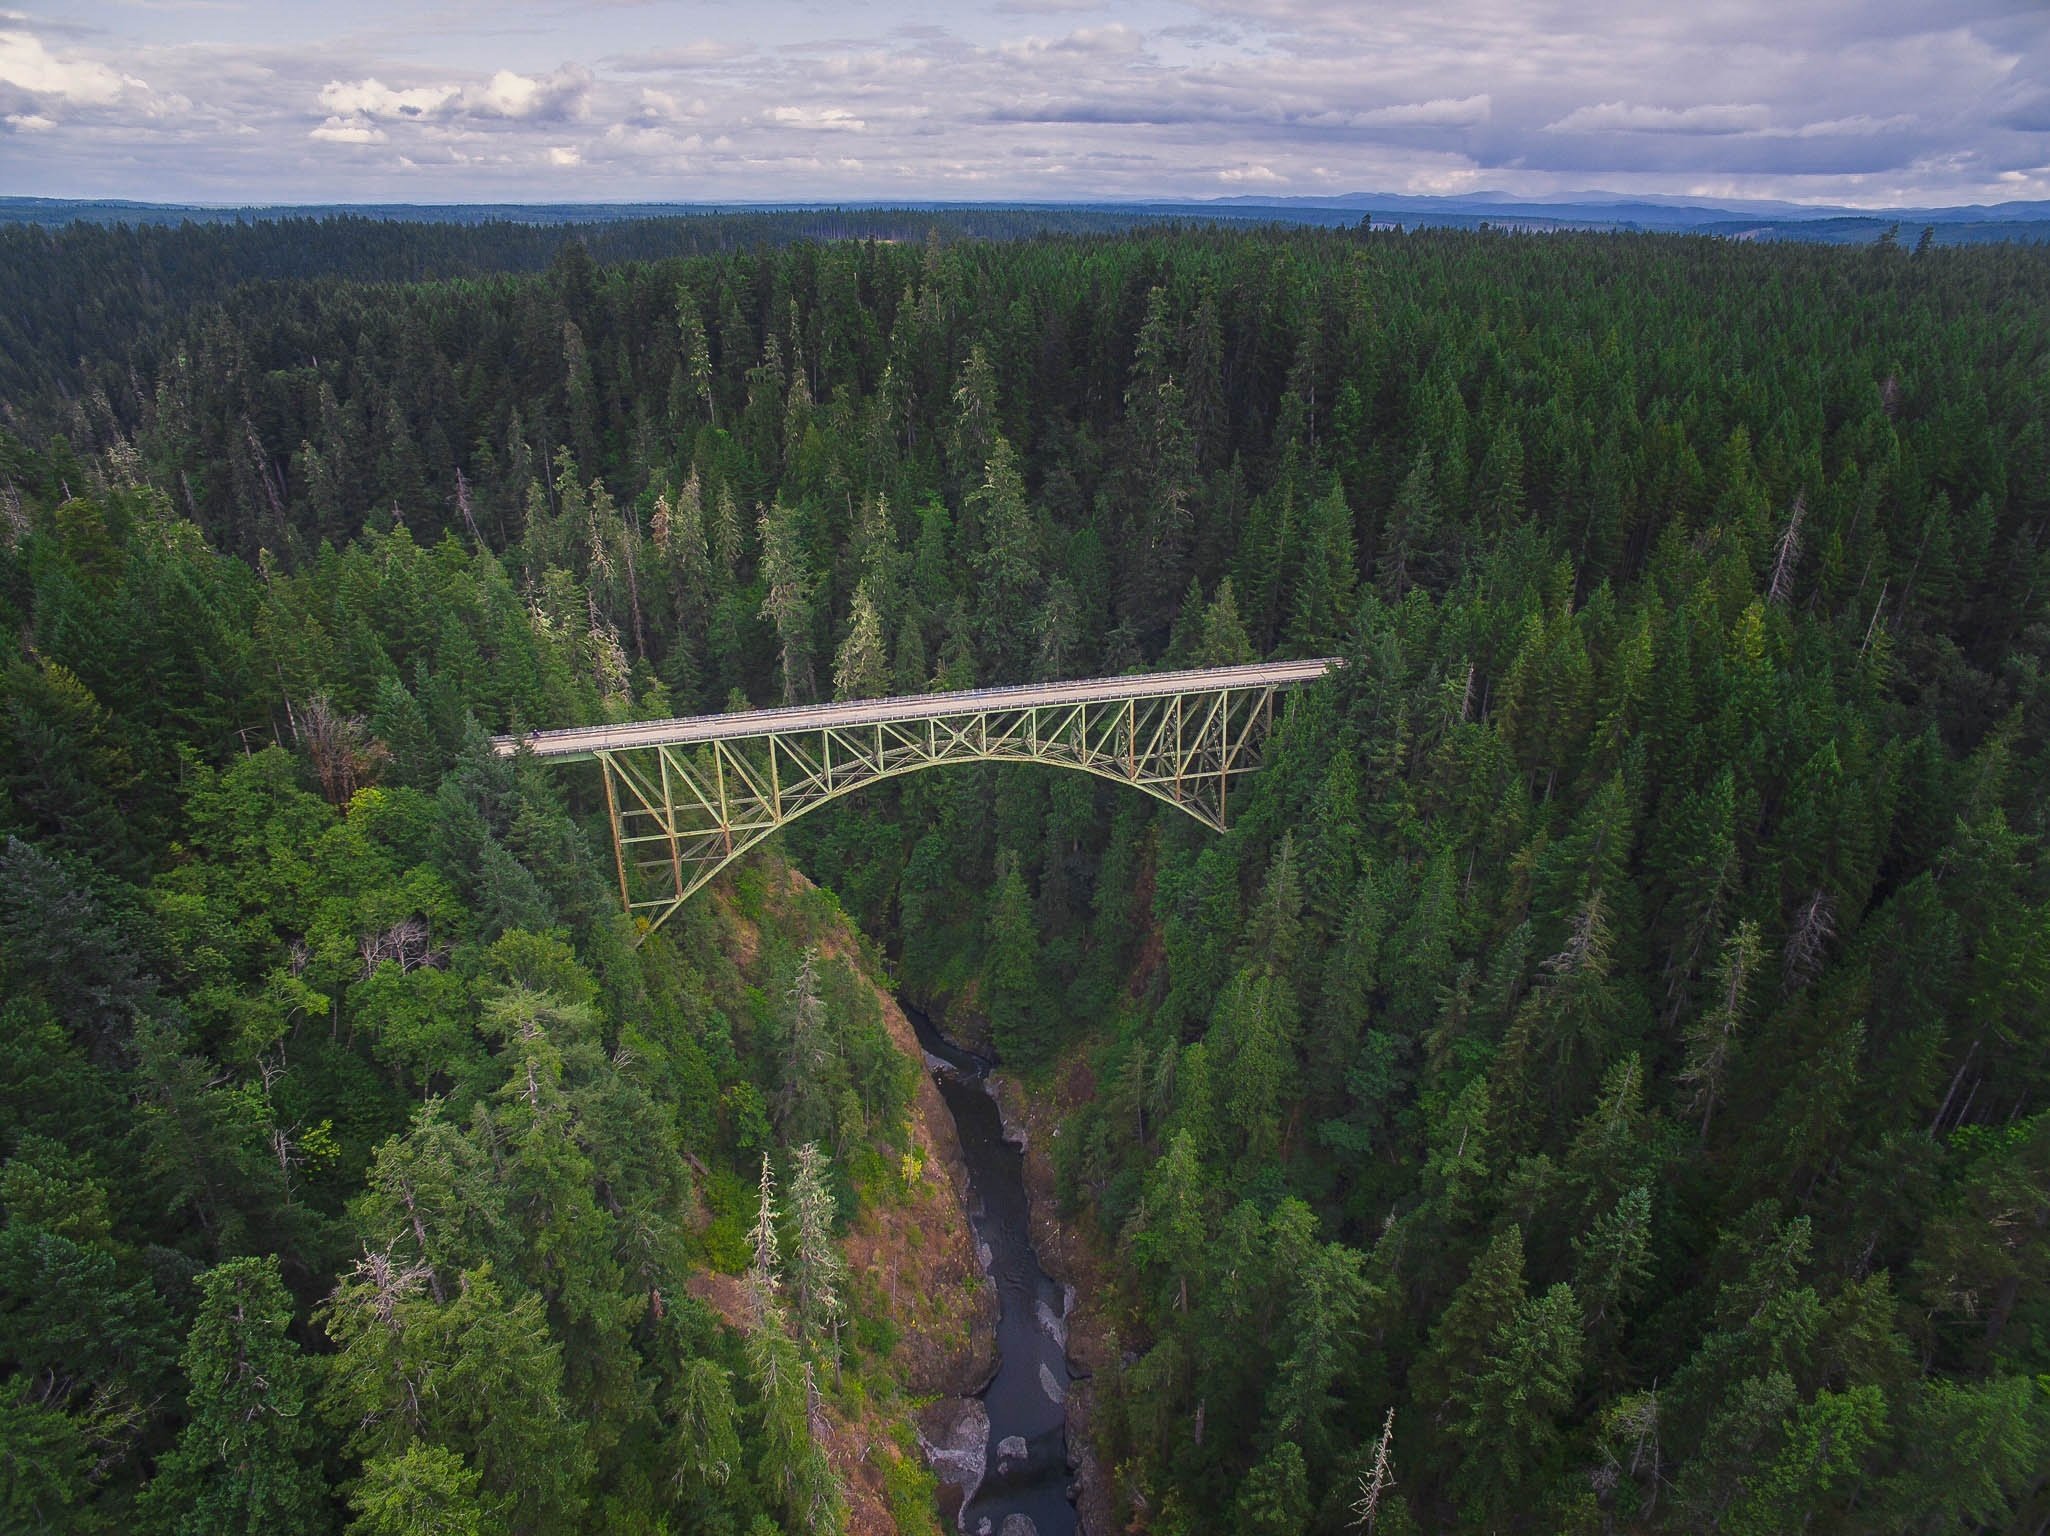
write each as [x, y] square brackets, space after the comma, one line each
[688, 797]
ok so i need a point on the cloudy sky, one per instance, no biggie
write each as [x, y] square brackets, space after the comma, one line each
[1869, 102]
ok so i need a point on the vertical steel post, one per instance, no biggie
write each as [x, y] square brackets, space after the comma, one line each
[618, 843]
[725, 810]
[1179, 759]
[669, 817]
[1224, 760]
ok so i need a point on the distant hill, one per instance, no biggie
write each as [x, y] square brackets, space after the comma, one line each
[1737, 218]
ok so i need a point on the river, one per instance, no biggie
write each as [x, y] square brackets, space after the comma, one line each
[1027, 1477]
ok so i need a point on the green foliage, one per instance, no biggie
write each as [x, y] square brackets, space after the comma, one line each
[241, 1460]
[425, 1491]
[1611, 1033]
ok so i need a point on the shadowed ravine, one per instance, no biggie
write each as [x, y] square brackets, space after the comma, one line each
[1027, 1472]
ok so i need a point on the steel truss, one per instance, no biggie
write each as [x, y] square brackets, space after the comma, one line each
[682, 810]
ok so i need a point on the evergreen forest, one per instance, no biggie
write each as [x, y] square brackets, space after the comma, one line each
[1600, 1083]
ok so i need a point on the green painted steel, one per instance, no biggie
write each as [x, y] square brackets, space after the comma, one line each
[687, 797]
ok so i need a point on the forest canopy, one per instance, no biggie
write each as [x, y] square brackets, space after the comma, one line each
[1614, 1035]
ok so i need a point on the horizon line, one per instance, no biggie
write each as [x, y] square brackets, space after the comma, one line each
[1331, 200]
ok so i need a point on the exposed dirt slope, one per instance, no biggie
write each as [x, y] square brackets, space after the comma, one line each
[910, 1261]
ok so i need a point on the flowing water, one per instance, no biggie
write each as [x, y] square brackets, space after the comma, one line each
[1027, 1477]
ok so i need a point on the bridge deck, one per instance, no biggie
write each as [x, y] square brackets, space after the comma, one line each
[584, 741]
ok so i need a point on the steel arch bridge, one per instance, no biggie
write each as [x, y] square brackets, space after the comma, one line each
[688, 797]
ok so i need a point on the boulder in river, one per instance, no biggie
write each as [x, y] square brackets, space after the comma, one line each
[1055, 1328]
[954, 1433]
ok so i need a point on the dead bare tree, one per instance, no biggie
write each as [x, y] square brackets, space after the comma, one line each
[344, 753]
[389, 1282]
[408, 944]
[1787, 554]
[1814, 926]
[463, 506]
[1378, 1480]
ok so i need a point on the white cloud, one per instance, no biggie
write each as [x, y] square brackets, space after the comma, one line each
[1114, 38]
[524, 97]
[507, 95]
[655, 61]
[1862, 125]
[662, 106]
[1629, 117]
[348, 130]
[640, 141]
[817, 119]
[1848, 100]
[28, 66]
[373, 98]
[1444, 112]
[564, 154]
[877, 65]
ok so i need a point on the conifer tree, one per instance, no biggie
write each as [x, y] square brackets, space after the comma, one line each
[801, 1100]
[1403, 553]
[1825, 1447]
[426, 1490]
[861, 668]
[1221, 640]
[787, 604]
[1328, 1294]
[678, 530]
[1275, 1500]
[789, 1463]
[1160, 477]
[1523, 1391]
[1446, 1372]
[819, 1269]
[974, 436]
[1006, 564]
[726, 532]
[705, 1444]
[1712, 1037]
[695, 353]
[1275, 932]
[1012, 967]
[1332, 858]
[1612, 1260]
[241, 1461]
[1169, 1234]
[764, 1272]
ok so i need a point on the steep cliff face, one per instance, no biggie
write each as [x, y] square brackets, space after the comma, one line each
[923, 1274]
[912, 1274]
[917, 1257]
